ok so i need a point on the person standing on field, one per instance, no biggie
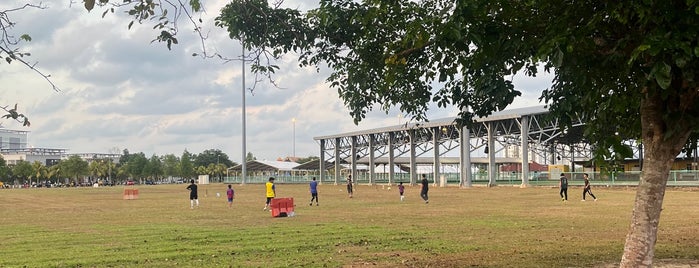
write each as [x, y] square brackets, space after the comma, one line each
[401, 190]
[563, 184]
[313, 188]
[586, 189]
[230, 194]
[270, 192]
[193, 195]
[424, 188]
[349, 186]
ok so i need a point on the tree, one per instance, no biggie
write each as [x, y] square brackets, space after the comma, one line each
[23, 170]
[201, 170]
[125, 157]
[170, 165]
[74, 167]
[154, 168]
[53, 173]
[122, 172]
[5, 171]
[308, 159]
[250, 157]
[627, 67]
[136, 166]
[219, 170]
[38, 171]
[212, 156]
[97, 169]
[111, 170]
[186, 166]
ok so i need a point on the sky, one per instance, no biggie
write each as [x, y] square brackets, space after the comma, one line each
[119, 90]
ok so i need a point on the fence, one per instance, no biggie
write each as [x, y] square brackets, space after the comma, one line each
[629, 178]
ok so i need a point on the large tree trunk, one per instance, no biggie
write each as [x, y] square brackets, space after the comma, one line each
[660, 151]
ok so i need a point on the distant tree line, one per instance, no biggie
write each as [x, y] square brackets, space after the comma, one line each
[130, 166]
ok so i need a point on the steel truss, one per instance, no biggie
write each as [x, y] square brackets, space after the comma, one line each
[531, 129]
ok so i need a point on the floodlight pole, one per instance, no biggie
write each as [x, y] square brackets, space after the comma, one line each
[243, 170]
[293, 142]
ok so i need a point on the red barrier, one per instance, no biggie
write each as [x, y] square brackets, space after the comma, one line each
[282, 207]
[130, 194]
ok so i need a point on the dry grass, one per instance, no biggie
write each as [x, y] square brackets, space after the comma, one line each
[483, 227]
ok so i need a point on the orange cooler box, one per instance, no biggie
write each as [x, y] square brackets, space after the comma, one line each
[282, 207]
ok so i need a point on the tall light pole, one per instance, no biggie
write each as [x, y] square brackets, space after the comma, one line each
[109, 170]
[293, 134]
[243, 165]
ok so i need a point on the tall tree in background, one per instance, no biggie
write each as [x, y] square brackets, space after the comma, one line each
[5, 171]
[307, 159]
[186, 165]
[39, 171]
[54, 173]
[212, 156]
[97, 168]
[250, 157]
[170, 165]
[23, 171]
[154, 168]
[136, 166]
[74, 167]
[630, 64]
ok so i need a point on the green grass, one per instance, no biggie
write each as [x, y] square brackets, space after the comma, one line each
[483, 227]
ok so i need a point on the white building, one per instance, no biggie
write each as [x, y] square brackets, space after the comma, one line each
[13, 139]
[13, 148]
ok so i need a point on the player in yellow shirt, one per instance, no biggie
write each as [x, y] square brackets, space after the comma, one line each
[269, 186]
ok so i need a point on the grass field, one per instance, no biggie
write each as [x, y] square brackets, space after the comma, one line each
[476, 227]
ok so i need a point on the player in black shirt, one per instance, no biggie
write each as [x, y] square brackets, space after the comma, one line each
[423, 190]
[193, 196]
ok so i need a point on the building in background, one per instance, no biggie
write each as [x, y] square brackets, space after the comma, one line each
[13, 148]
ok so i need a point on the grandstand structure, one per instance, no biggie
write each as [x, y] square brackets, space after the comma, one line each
[529, 131]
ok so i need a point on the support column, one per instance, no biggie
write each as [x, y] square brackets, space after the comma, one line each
[413, 164]
[491, 156]
[465, 161]
[525, 151]
[353, 158]
[372, 173]
[321, 164]
[436, 134]
[338, 161]
[572, 160]
[391, 164]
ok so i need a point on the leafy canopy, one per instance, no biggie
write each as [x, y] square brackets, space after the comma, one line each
[607, 57]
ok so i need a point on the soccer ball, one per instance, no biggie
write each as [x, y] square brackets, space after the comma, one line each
[389, 188]
[218, 195]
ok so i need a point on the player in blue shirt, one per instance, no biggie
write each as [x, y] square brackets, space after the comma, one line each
[313, 188]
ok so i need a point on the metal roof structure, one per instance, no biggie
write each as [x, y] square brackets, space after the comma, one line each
[265, 165]
[531, 129]
[313, 165]
[34, 151]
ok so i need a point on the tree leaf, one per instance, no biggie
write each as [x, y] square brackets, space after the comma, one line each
[89, 5]
[663, 76]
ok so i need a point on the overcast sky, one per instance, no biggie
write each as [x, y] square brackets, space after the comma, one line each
[120, 91]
